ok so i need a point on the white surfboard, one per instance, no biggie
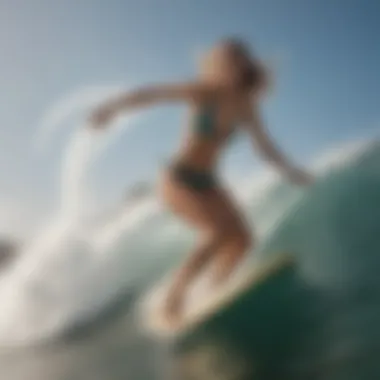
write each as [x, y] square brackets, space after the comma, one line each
[201, 303]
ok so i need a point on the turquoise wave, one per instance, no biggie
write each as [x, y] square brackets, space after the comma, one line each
[319, 320]
[316, 320]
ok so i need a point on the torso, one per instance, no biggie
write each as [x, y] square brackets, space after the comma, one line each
[210, 127]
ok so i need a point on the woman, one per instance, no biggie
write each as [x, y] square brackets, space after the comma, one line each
[225, 95]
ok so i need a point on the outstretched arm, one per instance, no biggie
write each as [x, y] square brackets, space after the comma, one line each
[268, 149]
[148, 96]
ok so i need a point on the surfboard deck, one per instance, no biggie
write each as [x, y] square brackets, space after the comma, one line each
[196, 313]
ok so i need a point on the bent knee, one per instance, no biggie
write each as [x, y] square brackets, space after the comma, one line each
[241, 239]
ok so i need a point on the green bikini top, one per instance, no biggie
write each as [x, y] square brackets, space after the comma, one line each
[204, 125]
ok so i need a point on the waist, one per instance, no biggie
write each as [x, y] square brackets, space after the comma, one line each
[206, 165]
[198, 179]
[199, 154]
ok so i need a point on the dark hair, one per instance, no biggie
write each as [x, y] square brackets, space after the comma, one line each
[254, 74]
[237, 46]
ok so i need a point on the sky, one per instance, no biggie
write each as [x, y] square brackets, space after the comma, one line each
[327, 84]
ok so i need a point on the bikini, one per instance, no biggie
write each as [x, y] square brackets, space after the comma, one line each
[194, 179]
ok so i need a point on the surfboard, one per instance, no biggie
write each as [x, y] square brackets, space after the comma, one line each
[206, 304]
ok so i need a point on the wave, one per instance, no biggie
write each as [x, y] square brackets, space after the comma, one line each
[72, 270]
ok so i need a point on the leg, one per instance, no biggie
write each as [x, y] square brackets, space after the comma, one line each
[229, 255]
[196, 262]
[236, 242]
[226, 243]
[194, 208]
[224, 234]
[226, 247]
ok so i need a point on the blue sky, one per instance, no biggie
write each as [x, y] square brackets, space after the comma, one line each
[327, 87]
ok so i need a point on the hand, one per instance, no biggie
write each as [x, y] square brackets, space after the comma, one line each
[102, 115]
[300, 177]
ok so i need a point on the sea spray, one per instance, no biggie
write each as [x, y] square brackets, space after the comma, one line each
[39, 293]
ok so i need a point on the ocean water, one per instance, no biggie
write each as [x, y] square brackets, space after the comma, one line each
[69, 304]
[317, 319]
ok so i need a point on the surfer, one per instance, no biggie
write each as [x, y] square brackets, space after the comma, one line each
[225, 96]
